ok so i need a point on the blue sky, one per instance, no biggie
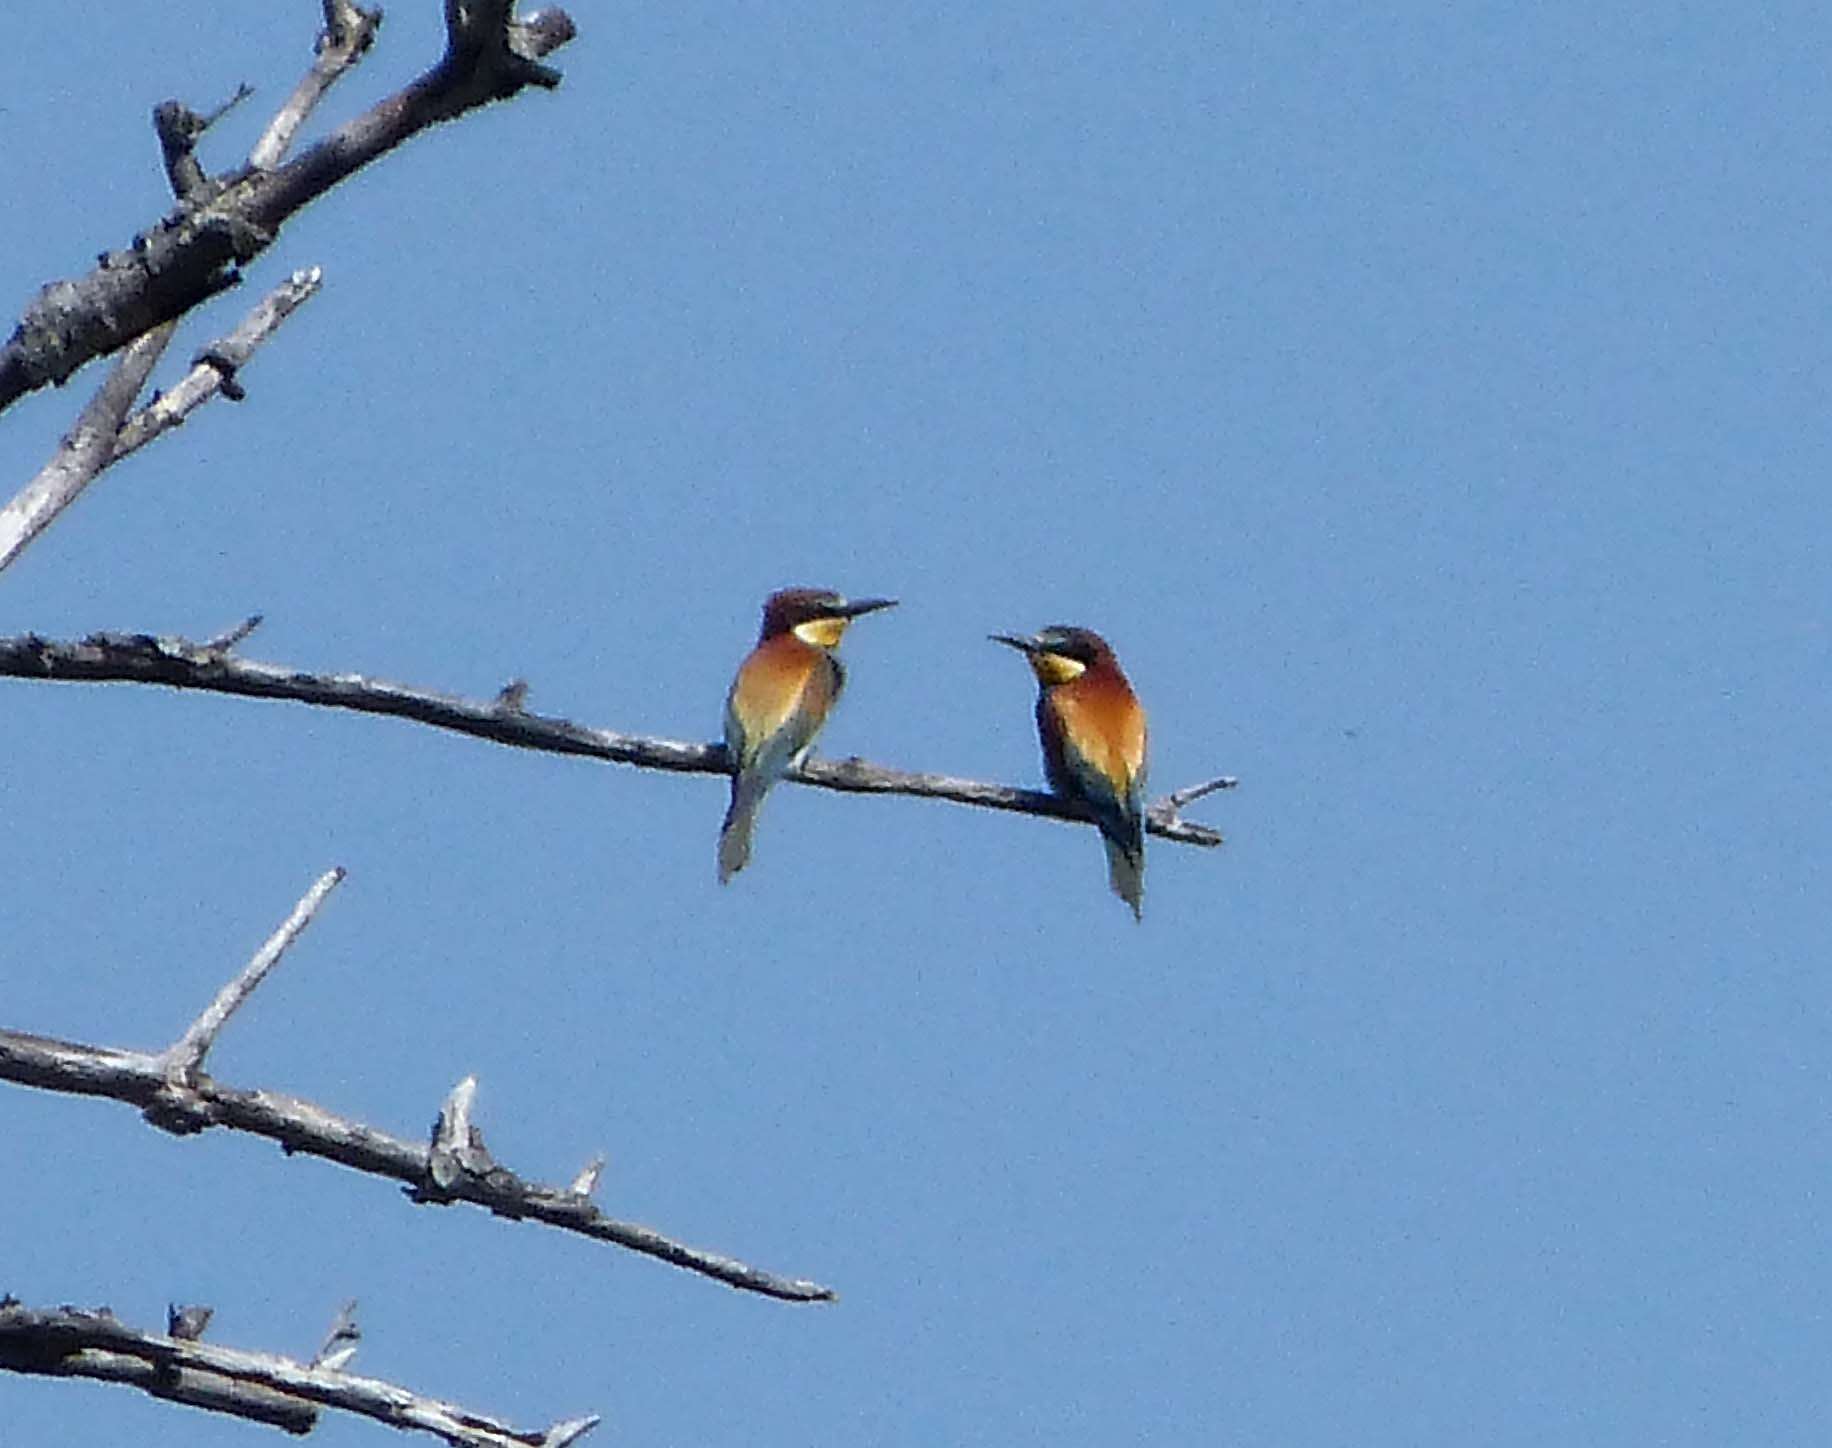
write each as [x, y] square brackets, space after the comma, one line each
[1429, 404]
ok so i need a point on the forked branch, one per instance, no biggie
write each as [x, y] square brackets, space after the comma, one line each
[85, 450]
[228, 220]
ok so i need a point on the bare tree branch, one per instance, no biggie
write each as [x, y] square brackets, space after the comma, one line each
[91, 444]
[105, 434]
[196, 251]
[455, 1167]
[181, 664]
[41, 1344]
[348, 32]
[339, 1344]
[185, 1057]
[179, 129]
[86, 449]
[139, 1079]
[230, 637]
[63, 1342]
[217, 367]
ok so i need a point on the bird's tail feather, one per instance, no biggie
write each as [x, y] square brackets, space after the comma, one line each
[1126, 872]
[740, 819]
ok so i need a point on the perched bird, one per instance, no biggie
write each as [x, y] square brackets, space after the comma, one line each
[1093, 735]
[779, 700]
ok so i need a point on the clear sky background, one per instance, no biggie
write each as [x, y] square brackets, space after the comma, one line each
[1430, 403]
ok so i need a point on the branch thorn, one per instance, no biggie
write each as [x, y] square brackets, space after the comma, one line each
[226, 641]
[1190, 793]
[586, 1182]
[560, 1435]
[187, 1324]
[457, 1148]
[339, 1345]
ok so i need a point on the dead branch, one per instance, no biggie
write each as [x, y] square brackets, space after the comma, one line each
[264, 1387]
[185, 1058]
[86, 449]
[175, 1095]
[227, 221]
[105, 434]
[179, 129]
[339, 1344]
[217, 368]
[348, 33]
[93, 444]
[181, 664]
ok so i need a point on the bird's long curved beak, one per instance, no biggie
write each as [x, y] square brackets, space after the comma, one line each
[1023, 646]
[860, 606]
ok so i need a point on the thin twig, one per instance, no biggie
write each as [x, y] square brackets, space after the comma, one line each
[339, 1344]
[1167, 814]
[179, 129]
[229, 638]
[186, 1055]
[564, 1435]
[63, 1342]
[82, 455]
[140, 1079]
[181, 664]
[105, 433]
[217, 367]
[348, 33]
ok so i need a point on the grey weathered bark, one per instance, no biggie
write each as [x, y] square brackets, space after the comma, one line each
[264, 1387]
[197, 250]
[134, 298]
[181, 664]
[86, 449]
[175, 1095]
[217, 369]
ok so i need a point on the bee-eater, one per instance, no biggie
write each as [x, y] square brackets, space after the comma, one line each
[1093, 735]
[781, 696]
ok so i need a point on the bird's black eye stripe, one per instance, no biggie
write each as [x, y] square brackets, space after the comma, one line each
[1068, 643]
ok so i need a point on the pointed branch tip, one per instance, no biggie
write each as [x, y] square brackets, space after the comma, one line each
[227, 640]
[185, 1056]
[560, 1435]
[454, 1125]
[456, 1150]
[1190, 793]
[586, 1182]
[339, 1345]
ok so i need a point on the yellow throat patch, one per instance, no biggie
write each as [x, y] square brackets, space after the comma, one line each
[823, 633]
[1056, 668]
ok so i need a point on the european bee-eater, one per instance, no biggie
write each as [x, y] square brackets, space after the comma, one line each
[1093, 735]
[779, 700]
